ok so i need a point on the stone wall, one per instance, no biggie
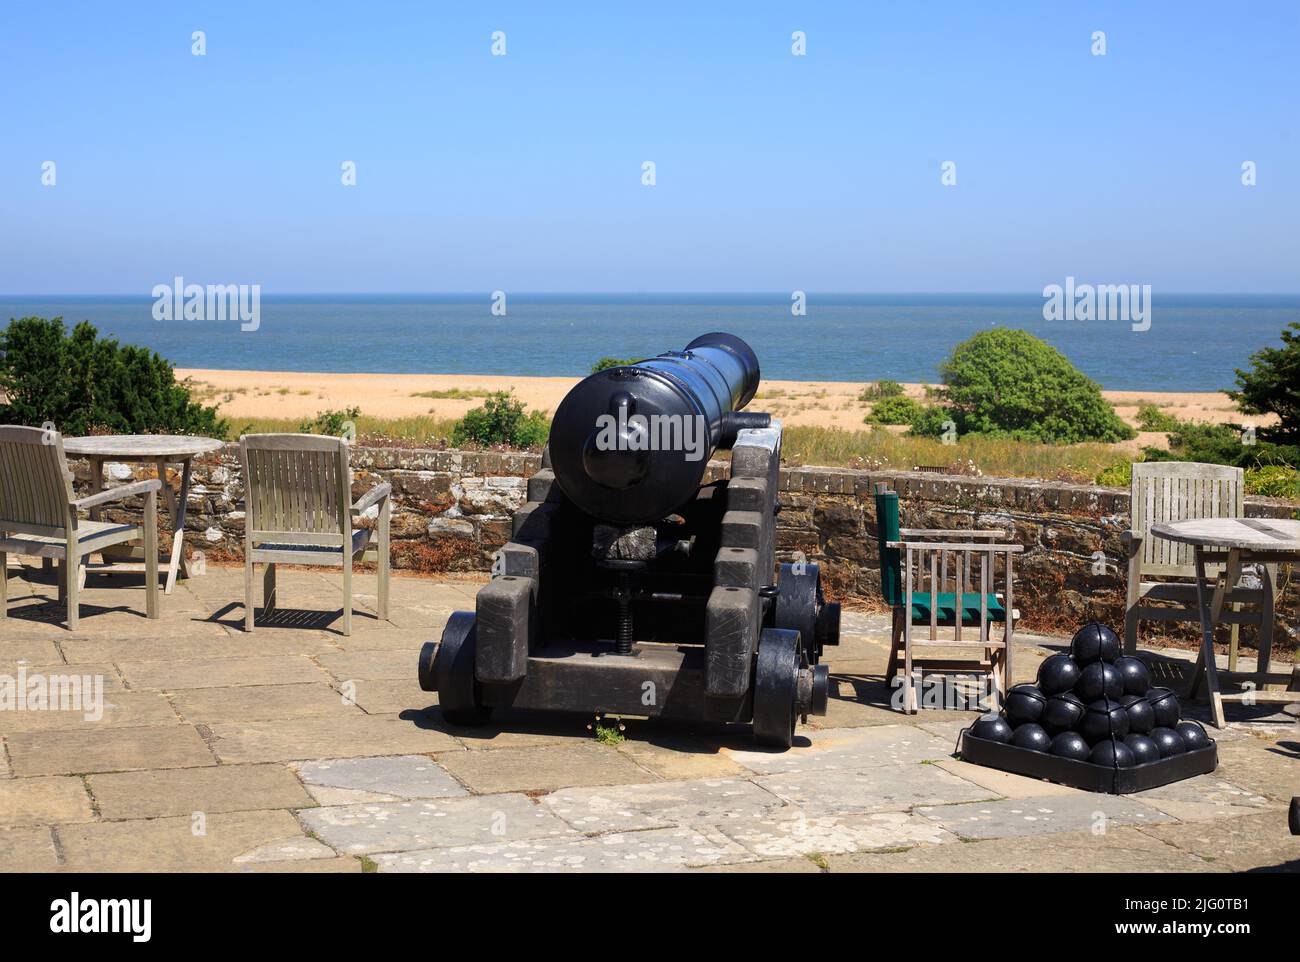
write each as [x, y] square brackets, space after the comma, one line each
[452, 510]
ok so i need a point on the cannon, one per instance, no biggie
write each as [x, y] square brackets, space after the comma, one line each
[637, 582]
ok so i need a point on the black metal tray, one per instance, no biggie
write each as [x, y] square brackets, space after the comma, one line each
[1085, 775]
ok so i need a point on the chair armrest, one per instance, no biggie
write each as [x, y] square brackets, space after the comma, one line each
[953, 533]
[954, 546]
[118, 493]
[378, 493]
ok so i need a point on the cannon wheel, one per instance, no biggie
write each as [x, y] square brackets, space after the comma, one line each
[776, 687]
[448, 667]
[798, 603]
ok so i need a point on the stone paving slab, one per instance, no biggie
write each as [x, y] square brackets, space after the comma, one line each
[339, 736]
[695, 803]
[1003, 783]
[43, 801]
[220, 672]
[210, 706]
[108, 750]
[375, 664]
[391, 696]
[888, 788]
[183, 791]
[658, 850]
[111, 679]
[27, 850]
[345, 781]
[394, 637]
[848, 749]
[1120, 850]
[1014, 818]
[119, 709]
[1202, 796]
[4, 760]
[198, 640]
[1260, 841]
[676, 758]
[431, 823]
[170, 844]
[340, 865]
[16, 651]
[520, 730]
[1266, 768]
[786, 834]
[543, 769]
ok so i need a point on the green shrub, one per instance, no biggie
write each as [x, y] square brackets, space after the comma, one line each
[1151, 418]
[1004, 381]
[1274, 481]
[881, 389]
[85, 384]
[1223, 444]
[333, 423]
[1118, 475]
[894, 410]
[607, 362]
[933, 421]
[1272, 386]
[502, 420]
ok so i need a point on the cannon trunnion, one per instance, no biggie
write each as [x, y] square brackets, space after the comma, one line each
[630, 587]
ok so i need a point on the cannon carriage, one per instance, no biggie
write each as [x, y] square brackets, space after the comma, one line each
[634, 586]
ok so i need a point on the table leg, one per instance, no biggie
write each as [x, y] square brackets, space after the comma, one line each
[178, 536]
[1206, 663]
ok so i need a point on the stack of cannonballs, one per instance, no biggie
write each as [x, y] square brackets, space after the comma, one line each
[1094, 705]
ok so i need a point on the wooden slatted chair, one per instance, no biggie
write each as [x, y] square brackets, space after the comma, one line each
[1178, 491]
[299, 510]
[38, 516]
[915, 581]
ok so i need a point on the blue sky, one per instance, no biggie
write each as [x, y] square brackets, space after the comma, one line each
[774, 172]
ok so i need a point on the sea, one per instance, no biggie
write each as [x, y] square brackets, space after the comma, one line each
[1193, 342]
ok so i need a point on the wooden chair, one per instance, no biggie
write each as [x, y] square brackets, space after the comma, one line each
[912, 559]
[38, 516]
[1177, 491]
[299, 510]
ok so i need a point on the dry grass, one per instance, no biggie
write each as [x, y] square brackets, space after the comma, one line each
[407, 432]
[881, 448]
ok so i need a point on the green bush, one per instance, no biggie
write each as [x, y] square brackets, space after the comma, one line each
[1223, 444]
[893, 409]
[85, 384]
[502, 420]
[881, 389]
[933, 421]
[1274, 481]
[1272, 386]
[1151, 418]
[607, 362]
[1118, 475]
[1008, 382]
[333, 423]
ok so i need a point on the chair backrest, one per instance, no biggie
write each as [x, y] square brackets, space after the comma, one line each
[35, 484]
[296, 484]
[1176, 491]
[886, 531]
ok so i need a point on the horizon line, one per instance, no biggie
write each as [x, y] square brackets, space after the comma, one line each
[629, 293]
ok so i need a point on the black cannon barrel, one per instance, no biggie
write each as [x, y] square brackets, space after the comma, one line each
[630, 444]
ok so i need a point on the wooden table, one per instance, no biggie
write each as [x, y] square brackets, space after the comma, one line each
[1234, 542]
[159, 450]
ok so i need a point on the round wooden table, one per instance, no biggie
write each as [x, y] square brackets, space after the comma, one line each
[159, 450]
[1233, 542]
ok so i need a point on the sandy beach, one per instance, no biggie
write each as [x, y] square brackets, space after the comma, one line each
[835, 404]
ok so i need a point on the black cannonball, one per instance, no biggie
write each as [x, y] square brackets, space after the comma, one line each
[1143, 748]
[1070, 745]
[1136, 674]
[1141, 716]
[1099, 680]
[1194, 736]
[1168, 741]
[1094, 642]
[1024, 704]
[1057, 673]
[1032, 737]
[1112, 754]
[1165, 705]
[1104, 718]
[991, 729]
[1061, 713]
